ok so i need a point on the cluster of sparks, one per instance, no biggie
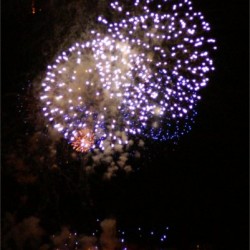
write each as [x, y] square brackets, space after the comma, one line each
[121, 239]
[83, 141]
[140, 77]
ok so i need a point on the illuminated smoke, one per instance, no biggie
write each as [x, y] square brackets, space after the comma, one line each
[108, 238]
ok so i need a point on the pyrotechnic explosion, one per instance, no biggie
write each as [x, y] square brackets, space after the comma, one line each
[172, 37]
[141, 76]
[86, 89]
[83, 141]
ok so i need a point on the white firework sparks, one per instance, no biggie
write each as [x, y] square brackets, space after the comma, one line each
[142, 76]
[172, 37]
[88, 88]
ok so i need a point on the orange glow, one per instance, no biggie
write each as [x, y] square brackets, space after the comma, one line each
[83, 141]
[33, 8]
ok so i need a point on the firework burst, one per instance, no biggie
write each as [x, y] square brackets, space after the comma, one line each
[83, 140]
[174, 40]
[140, 77]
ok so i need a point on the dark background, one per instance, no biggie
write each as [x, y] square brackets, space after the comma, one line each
[199, 187]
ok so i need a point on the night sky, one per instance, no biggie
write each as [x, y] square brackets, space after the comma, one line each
[198, 187]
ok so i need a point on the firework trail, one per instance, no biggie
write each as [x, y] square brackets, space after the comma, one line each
[141, 76]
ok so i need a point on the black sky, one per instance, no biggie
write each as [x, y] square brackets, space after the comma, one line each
[201, 186]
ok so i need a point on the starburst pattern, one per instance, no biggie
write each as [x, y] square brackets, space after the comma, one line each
[140, 77]
[83, 141]
[173, 39]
